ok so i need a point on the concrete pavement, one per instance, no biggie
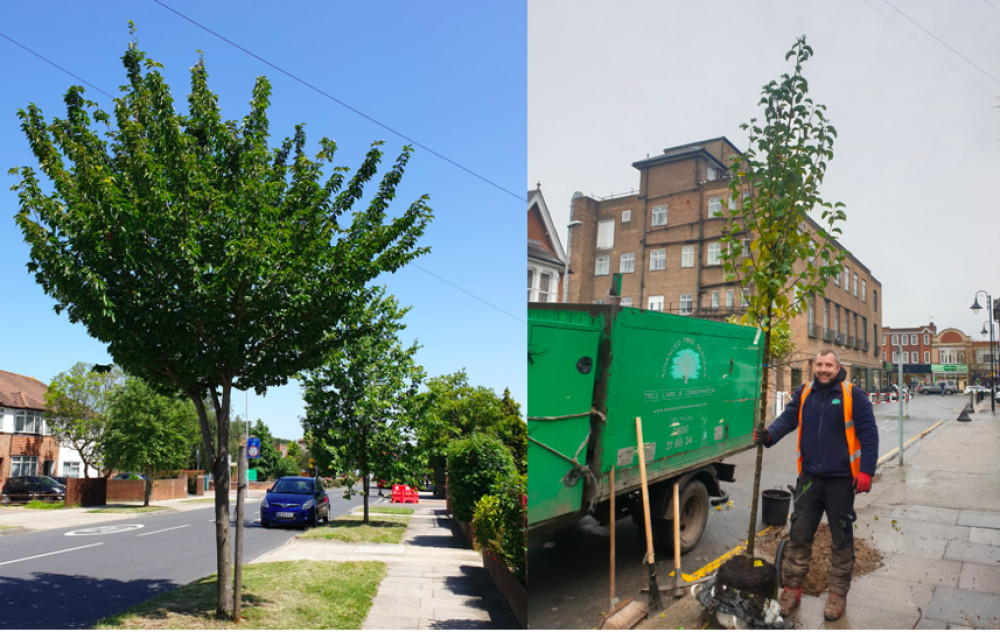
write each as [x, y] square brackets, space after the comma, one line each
[938, 528]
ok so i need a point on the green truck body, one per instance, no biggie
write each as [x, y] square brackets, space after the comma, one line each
[593, 369]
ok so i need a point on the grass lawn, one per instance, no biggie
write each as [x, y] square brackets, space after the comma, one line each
[387, 529]
[129, 509]
[388, 509]
[277, 596]
[200, 500]
[45, 504]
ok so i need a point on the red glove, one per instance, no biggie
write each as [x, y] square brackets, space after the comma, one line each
[761, 435]
[863, 483]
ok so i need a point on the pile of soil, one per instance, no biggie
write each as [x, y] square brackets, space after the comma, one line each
[866, 557]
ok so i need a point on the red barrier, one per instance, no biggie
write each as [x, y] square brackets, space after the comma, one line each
[404, 494]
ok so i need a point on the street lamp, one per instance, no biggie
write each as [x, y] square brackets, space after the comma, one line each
[975, 310]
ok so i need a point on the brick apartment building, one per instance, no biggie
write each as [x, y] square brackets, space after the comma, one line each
[546, 258]
[665, 242]
[914, 348]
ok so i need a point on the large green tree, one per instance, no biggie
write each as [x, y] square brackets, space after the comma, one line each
[76, 407]
[205, 259]
[451, 408]
[147, 431]
[769, 245]
[358, 404]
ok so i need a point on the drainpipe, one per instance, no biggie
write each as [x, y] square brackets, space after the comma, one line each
[642, 243]
[701, 237]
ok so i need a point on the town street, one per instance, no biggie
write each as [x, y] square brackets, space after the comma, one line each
[71, 577]
[569, 571]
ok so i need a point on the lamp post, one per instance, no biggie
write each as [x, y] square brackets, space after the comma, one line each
[993, 376]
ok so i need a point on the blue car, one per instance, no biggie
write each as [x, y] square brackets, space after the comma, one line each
[295, 500]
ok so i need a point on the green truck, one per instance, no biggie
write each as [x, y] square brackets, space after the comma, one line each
[592, 370]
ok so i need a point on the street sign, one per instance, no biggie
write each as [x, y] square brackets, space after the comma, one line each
[253, 447]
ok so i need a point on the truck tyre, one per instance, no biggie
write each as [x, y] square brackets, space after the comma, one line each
[694, 509]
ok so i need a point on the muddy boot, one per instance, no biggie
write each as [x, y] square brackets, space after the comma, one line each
[835, 606]
[789, 600]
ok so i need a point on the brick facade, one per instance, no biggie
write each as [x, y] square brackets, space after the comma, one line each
[665, 242]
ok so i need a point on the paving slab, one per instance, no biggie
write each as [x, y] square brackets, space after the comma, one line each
[921, 570]
[955, 606]
[900, 596]
[972, 552]
[979, 535]
[980, 578]
[923, 513]
[986, 519]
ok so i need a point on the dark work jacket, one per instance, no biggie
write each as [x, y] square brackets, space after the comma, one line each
[824, 439]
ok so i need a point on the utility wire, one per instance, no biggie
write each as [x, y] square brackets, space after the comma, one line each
[421, 268]
[922, 43]
[944, 43]
[52, 63]
[339, 102]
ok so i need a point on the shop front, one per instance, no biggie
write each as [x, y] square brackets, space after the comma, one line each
[957, 372]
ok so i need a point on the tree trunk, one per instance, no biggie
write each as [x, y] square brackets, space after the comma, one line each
[364, 472]
[760, 424]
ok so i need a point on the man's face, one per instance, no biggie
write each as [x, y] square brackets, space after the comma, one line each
[827, 368]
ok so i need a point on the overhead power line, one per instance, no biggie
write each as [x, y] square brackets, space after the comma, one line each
[340, 102]
[52, 63]
[943, 43]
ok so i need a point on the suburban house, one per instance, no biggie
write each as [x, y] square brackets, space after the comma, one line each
[547, 262]
[664, 240]
[26, 447]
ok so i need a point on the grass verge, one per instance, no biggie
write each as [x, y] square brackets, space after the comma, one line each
[383, 509]
[129, 509]
[350, 528]
[45, 504]
[276, 596]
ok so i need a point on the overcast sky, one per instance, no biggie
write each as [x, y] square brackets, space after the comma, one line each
[449, 75]
[917, 159]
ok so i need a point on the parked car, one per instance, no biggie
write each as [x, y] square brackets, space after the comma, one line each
[894, 391]
[976, 388]
[25, 488]
[295, 500]
[129, 476]
[935, 389]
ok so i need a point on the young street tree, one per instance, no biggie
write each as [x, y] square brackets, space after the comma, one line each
[768, 245]
[76, 404]
[358, 403]
[148, 432]
[206, 260]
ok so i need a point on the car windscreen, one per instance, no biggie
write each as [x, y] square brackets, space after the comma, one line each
[287, 486]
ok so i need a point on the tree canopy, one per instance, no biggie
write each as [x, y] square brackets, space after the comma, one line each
[204, 258]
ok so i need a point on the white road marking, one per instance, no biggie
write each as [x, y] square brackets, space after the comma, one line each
[105, 530]
[142, 535]
[35, 557]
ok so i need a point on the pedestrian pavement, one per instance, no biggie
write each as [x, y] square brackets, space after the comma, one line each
[434, 579]
[935, 519]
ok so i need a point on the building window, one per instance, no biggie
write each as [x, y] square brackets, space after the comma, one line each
[744, 298]
[715, 206]
[836, 280]
[927, 339]
[660, 215]
[864, 291]
[626, 301]
[730, 294]
[687, 256]
[23, 465]
[883, 356]
[627, 263]
[855, 284]
[906, 357]
[847, 279]
[602, 265]
[605, 234]
[545, 294]
[687, 301]
[712, 174]
[913, 339]
[733, 203]
[715, 299]
[927, 357]
[895, 357]
[655, 303]
[714, 254]
[28, 421]
[626, 217]
[658, 259]
[71, 469]
[531, 282]
[883, 340]
[875, 300]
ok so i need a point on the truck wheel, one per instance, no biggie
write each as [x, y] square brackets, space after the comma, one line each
[694, 509]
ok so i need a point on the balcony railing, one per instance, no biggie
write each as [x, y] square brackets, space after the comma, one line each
[828, 335]
[814, 330]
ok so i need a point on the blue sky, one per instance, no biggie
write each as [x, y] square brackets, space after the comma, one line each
[449, 75]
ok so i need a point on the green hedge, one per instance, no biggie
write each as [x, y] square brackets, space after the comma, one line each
[474, 464]
[500, 520]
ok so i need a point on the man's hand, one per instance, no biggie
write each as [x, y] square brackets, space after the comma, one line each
[863, 483]
[761, 436]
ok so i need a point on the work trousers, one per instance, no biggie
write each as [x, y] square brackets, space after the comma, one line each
[815, 495]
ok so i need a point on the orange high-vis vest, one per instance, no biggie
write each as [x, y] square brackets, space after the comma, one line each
[853, 444]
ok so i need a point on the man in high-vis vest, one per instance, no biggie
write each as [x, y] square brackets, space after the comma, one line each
[837, 455]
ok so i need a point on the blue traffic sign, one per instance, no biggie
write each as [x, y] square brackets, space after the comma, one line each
[253, 447]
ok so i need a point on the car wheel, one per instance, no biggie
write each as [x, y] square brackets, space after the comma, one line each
[315, 519]
[266, 525]
[4, 500]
